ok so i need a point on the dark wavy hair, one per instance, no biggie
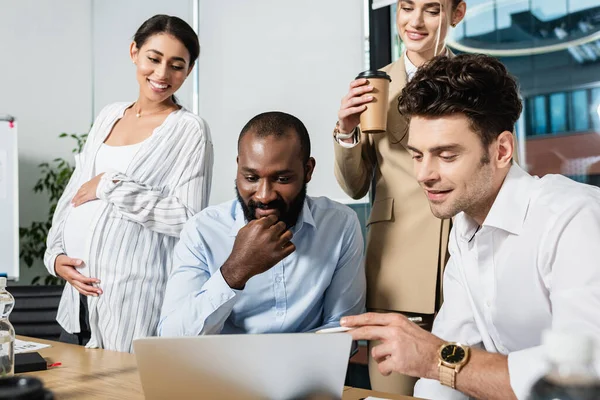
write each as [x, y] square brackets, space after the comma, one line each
[173, 26]
[475, 85]
[278, 124]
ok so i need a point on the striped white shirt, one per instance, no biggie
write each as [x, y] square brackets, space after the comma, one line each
[134, 232]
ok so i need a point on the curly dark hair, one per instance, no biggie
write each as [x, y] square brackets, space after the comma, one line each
[475, 85]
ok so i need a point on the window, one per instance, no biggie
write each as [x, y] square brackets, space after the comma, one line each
[563, 112]
[558, 112]
[530, 117]
[559, 129]
[484, 20]
[540, 125]
[594, 109]
[578, 120]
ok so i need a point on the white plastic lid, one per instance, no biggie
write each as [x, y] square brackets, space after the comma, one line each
[2, 282]
[568, 347]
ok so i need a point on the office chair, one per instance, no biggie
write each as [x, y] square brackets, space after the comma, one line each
[35, 310]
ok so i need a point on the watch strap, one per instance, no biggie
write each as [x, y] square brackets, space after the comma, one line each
[447, 376]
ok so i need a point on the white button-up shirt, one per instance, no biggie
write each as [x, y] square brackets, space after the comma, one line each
[411, 69]
[532, 265]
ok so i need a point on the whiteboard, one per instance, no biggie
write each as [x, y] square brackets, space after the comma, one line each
[9, 198]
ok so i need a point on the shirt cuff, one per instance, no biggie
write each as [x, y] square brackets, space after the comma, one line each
[525, 367]
[106, 184]
[52, 263]
[218, 291]
[355, 141]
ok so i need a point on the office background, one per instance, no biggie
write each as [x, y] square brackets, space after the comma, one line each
[63, 60]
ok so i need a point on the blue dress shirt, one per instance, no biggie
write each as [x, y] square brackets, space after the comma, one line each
[323, 280]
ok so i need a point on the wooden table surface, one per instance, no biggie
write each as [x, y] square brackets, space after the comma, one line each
[91, 374]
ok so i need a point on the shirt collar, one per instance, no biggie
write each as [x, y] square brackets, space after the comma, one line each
[411, 68]
[305, 217]
[510, 207]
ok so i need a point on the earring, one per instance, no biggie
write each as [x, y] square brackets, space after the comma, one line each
[453, 25]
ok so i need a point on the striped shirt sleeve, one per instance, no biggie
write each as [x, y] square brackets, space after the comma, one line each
[154, 209]
[196, 302]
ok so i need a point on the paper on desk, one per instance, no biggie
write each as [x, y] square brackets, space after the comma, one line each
[374, 398]
[22, 346]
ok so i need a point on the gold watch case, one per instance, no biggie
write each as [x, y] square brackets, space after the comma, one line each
[453, 355]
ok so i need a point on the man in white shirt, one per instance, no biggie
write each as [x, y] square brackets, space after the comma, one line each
[523, 249]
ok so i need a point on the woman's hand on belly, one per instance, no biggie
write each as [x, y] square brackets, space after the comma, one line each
[66, 268]
[87, 191]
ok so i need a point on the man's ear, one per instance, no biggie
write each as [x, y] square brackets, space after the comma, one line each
[309, 169]
[505, 147]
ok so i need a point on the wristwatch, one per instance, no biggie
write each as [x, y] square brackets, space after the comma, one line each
[452, 358]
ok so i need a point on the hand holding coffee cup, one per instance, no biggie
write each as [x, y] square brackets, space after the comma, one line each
[354, 103]
[368, 87]
[374, 118]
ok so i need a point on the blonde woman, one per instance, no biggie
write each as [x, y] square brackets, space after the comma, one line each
[406, 244]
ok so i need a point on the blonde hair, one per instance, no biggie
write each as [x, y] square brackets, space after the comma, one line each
[448, 21]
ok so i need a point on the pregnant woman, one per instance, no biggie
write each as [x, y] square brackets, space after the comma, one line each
[145, 170]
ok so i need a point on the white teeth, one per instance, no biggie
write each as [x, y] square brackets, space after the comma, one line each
[158, 86]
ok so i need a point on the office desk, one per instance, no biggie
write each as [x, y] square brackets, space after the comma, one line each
[91, 374]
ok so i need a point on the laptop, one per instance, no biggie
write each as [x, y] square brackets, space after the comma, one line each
[243, 367]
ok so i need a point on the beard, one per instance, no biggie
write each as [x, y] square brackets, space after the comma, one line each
[476, 200]
[287, 213]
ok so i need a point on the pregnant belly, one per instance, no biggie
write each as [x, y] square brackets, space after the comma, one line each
[78, 229]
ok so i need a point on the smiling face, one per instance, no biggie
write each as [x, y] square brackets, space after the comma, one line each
[272, 177]
[418, 22]
[454, 169]
[163, 64]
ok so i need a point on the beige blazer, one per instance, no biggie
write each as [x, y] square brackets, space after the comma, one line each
[406, 244]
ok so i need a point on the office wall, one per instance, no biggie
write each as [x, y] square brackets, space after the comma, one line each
[62, 61]
[45, 76]
[114, 23]
[287, 55]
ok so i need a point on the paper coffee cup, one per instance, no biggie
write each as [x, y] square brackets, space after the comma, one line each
[374, 118]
